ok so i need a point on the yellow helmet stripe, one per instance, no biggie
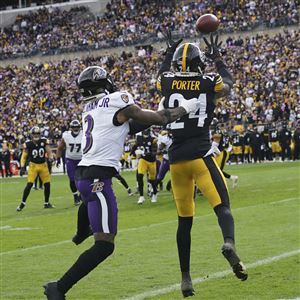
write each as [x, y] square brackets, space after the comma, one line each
[185, 48]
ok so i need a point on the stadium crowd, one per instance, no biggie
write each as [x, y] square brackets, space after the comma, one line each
[128, 22]
[266, 89]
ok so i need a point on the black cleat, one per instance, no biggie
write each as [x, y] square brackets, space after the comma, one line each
[129, 192]
[21, 206]
[238, 268]
[52, 292]
[79, 238]
[48, 205]
[187, 286]
[77, 200]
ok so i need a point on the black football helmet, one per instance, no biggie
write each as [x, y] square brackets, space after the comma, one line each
[75, 126]
[95, 80]
[35, 133]
[188, 58]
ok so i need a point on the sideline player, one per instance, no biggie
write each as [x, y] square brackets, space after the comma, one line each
[71, 142]
[35, 150]
[108, 116]
[221, 140]
[164, 142]
[189, 161]
[146, 164]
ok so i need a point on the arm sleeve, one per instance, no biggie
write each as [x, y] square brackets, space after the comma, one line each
[224, 72]
[135, 127]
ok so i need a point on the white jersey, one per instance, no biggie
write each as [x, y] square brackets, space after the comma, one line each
[73, 145]
[104, 138]
[166, 141]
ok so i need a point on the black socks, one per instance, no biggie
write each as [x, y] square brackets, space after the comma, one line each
[85, 263]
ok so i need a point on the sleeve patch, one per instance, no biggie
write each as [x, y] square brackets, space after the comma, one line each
[125, 98]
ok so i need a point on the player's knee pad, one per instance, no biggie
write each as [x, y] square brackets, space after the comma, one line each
[102, 249]
[222, 209]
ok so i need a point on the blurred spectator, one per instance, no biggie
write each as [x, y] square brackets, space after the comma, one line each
[52, 31]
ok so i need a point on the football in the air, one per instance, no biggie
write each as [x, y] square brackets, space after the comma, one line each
[207, 23]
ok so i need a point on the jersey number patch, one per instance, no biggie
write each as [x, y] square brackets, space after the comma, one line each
[88, 133]
[175, 100]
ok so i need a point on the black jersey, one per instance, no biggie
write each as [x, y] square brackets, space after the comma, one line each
[191, 132]
[285, 137]
[149, 148]
[273, 135]
[237, 139]
[224, 142]
[37, 151]
[247, 138]
[296, 136]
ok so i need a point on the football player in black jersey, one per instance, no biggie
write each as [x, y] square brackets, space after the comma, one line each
[221, 140]
[147, 147]
[189, 161]
[274, 141]
[285, 139]
[296, 140]
[35, 150]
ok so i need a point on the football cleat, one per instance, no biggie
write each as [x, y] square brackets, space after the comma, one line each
[48, 205]
[129, 191]
[154, 198]
[21, 206]
[52, 292]
[187, 286]
[141, 200]
[77, 200]
[238, 268]
[79, 238]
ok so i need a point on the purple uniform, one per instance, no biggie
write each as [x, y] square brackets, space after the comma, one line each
[102, 147]
[71, 166]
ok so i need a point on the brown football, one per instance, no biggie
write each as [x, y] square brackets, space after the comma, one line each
[207, 23]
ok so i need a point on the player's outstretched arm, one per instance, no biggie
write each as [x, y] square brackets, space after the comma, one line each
[162, 117]
[171, 47]
[214, 54]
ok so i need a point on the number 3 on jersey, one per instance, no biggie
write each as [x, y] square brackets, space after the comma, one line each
[175, 100]
[88, 133]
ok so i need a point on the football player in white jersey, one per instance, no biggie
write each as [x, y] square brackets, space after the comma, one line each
[71, 142]
[164, 141]
[108, 116]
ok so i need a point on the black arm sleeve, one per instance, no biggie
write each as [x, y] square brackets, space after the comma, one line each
[166, 65]
[135, 127]
[224, 72]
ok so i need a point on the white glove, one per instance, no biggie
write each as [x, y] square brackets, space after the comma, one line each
[270, 145]
[191, 105]
[214, 150]
[229, 148]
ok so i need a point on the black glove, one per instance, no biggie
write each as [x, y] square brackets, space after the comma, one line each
[213, 51]
[171, 44]
[22, 171]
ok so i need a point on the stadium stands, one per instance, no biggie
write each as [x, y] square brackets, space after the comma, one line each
[53, 31]
[266, 87]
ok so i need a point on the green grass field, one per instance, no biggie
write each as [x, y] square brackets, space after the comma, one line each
[36, 243]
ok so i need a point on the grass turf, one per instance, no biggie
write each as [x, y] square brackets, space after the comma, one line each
[36, 246]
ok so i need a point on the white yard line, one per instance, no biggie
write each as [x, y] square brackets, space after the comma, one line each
[143, 227]
[174, 287]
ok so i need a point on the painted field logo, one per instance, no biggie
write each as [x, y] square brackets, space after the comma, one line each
[97, 187]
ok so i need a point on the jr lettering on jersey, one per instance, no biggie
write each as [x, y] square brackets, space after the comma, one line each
[192, 85]
[98, 102]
